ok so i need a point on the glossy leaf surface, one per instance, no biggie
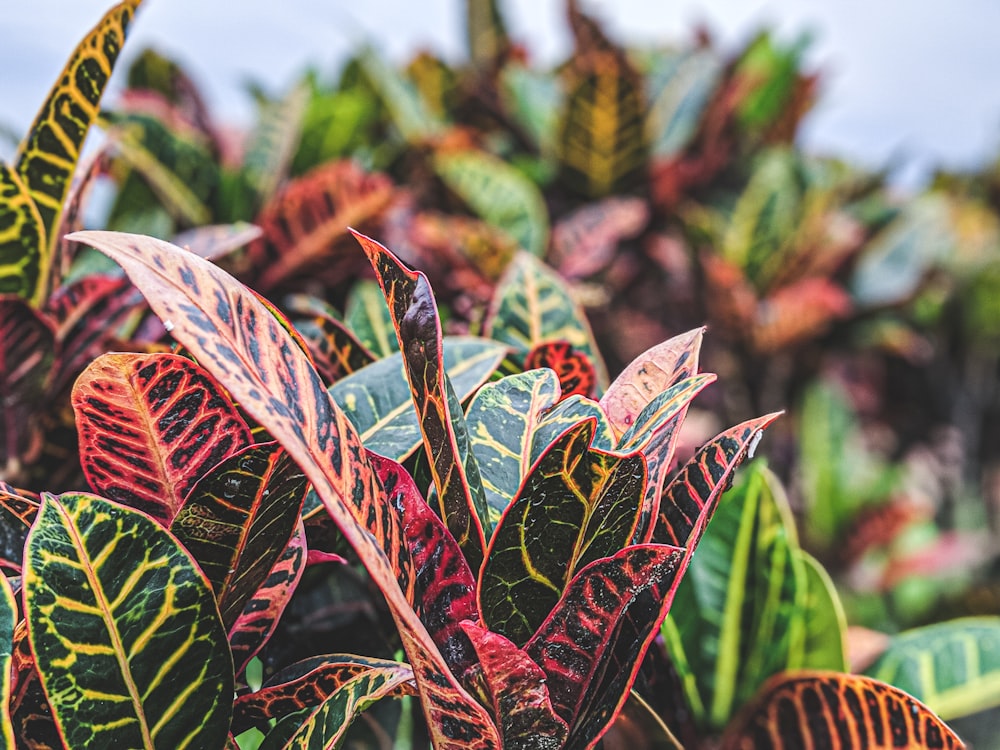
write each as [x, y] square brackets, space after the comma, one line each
[238, 520]
[453, 465]
[22, 240]
[272, 378]
[576, 505]
[379, 403]
[48, 155]
[124, 628]
[953, 667]
[150, 426]
[840, 711]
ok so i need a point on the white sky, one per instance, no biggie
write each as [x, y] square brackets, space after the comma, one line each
[902, 79]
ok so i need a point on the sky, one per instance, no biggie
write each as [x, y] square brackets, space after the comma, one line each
[903, 82]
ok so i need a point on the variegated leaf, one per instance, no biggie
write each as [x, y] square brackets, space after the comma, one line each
[335, 349]
[30, 712]
[8, 620]
[124, 629]
[150, 426]
[23, 262]
[272, 378]
[367, 315]
[577, 376]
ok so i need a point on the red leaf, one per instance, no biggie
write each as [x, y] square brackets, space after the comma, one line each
[150, 426]
[584, 242]
[576, 372]
[236, 338]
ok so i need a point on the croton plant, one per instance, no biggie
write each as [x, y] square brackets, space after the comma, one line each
[515, 528]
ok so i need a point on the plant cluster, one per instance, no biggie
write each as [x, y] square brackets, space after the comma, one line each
[350, 517]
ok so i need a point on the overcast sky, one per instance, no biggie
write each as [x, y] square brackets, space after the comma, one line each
[901, 78]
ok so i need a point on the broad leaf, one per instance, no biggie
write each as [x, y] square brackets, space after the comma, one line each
[502, 418]
[378, 401]
[48, 155]
[453, 466]
[532, 305]
[150, 426]
[515, 688]
[262, 612]
[576, 505]
[568, 413]
[8, 619]
[953, 667]
[839, 711]
[238, 519]
[306, 684]
[272, 378]
[648, 375]
[127, 638]
[605, 607]
[677, 105]
[498, 193]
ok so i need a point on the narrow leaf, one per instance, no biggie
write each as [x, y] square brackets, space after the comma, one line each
[8, 619]
[367, 315]
[334, 348]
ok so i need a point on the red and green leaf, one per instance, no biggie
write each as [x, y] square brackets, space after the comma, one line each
[150, 426]
[237, 339]
[306, 684]
[592, 643]
[262, 611]
[48, 155]
[840, 711]
[379, 403]
[692, 496]
[516, 692]
[453, 465]
[238, 519]
[649, 375]
[532, 305]
[576, 372]
[576, 505]
[124, 628]
[568, 413]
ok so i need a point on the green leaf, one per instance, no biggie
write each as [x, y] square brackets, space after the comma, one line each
[502, 419]
[8, 618]
[124, 628]
[568, 413]
[407, 109]
[679, 103]
[23, 260]
[486, 33]
[49, 153]
[533, 99]
[378, 401]
[367, 315]
[274, 140]
[825, 620]
[576, 505]
[498, 193]
[532, 304]
[953, 667]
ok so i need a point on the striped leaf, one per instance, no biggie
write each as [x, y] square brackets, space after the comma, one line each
[150, 426]
[238, 519]
[408, 111]
[648, 375]
[953, 667]
[124, 628]
[274, 139]
[262, 612]
[273, 380]
[502, 418]
[498, 193]
[576, 373]
[367, 315]
[379, 403]
[576, 505]
[532, 305]
[8, 619]
[23, 262]
[838, 711]
[461, 498]
[516, 691]
[334, 348]
[678, 103]
[48, 155]
[591, 646]
[306, 684]
[324, 727]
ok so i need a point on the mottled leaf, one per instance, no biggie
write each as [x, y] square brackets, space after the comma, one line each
[150, 426]
[576, 505]
[238, 519]
[499, 194]
[48, 155]
[591, 646]
[272, 378]
[568, 413]
[442, 424]
[17, 513]
[515, 688]
[839, 711]
[532, 305]
[378, 401]
[261, 613]
[124, 628]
